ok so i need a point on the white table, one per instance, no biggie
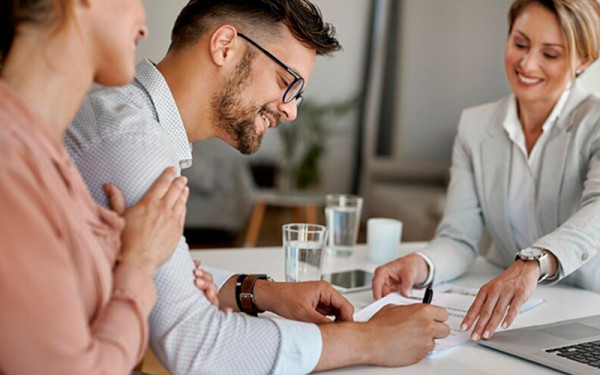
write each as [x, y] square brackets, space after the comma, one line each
[560, 303]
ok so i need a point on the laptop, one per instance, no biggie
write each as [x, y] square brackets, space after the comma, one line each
[571, 346]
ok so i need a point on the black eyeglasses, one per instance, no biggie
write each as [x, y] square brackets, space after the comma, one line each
[294, 90]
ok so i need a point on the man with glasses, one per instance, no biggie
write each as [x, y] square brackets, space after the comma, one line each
[221, 78]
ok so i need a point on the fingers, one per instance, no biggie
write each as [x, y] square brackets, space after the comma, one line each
[513, 311]
[197, 263]
[175, 192]
[204, 282]
[485, 314]
[499, 311]
[180, 205]
[161, 185]
[406, 281]
[379, 281]
[115, 197]
[397, 275]
[344, 309]
[441, 330]
[439, 314]
[474, 310]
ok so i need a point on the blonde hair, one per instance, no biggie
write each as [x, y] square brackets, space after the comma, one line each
[579, 22]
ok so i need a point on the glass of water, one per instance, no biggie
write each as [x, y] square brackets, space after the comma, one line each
[342, 213]
[303, 245]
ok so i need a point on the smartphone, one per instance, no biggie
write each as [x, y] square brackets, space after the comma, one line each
[350, 281]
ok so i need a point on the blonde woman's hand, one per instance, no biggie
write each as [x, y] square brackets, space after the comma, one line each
[500, 299]
[154, 225]
[399, 275]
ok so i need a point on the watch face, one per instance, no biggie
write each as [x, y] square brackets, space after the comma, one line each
[531, 253]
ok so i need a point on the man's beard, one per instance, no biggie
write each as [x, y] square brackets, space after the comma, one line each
[230, 116]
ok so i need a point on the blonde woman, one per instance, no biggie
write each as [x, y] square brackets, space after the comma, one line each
[527, 168]
[75, 279]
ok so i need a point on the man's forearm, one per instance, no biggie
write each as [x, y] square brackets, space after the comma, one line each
[227, 294]
[344, 344]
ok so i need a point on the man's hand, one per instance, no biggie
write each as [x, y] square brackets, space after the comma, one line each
[508, 291]
[310, 301]
[400, 275]
[405, 334]
[395, 336]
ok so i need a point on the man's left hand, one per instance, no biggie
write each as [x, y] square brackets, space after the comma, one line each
[508, 291]
[310, 301]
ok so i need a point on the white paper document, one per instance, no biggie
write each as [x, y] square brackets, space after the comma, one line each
[455, 299]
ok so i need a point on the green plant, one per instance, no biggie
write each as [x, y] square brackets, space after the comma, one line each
[305, 139]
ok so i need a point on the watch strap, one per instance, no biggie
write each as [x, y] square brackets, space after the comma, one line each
[542, 259]
[246, 296]
[238, 289]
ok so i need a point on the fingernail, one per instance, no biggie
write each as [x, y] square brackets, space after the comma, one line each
[463, 327]
[198, 272]
[504, 325]
[474, 337]
[486, 335]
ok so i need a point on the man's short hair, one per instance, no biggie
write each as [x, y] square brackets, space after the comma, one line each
[255, 17]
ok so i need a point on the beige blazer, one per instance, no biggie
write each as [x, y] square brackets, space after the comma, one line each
[568, 193]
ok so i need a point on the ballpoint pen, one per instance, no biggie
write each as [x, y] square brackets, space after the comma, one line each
[428, 294]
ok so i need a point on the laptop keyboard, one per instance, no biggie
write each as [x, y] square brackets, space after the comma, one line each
[587, 352]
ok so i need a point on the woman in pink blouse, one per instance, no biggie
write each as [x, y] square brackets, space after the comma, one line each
[75, 279]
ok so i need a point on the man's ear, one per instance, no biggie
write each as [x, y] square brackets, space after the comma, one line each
[224, 45]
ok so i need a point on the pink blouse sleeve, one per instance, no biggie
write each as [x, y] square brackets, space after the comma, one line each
[44, 327]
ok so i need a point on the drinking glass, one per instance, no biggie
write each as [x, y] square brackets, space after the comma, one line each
[342, 213]
[303, 245]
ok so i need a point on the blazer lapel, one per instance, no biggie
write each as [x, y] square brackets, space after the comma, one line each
[496, 152]
[553, 163]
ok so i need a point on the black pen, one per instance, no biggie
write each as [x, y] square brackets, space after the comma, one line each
[428, 294]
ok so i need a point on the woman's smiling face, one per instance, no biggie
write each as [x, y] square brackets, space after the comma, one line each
[536, 57]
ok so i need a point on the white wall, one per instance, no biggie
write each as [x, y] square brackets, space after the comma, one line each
[451, 58]
[160, 17]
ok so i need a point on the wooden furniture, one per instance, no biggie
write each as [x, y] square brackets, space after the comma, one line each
[304, 204]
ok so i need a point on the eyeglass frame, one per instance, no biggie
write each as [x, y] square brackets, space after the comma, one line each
[298, 97]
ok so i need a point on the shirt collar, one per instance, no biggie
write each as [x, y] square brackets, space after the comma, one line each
[512, 124]
[166, 109]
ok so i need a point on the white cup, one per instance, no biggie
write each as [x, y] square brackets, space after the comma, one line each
[383, 238]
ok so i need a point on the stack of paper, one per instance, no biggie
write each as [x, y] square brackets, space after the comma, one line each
[455, 299]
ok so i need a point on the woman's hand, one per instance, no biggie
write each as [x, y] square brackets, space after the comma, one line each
[154, 225]
[508, 291]
[400, 275]
[204, 282]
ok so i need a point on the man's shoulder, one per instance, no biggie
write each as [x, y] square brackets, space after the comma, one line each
[115, 109]
[113, 113]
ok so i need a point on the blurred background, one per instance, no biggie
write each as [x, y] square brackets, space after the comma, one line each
[379, 120]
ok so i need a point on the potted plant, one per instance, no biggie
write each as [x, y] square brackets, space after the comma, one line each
[304, 142]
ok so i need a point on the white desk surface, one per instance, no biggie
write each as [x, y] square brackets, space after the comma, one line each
[561, 303]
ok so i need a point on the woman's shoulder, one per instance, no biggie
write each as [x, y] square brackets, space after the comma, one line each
[477, 119]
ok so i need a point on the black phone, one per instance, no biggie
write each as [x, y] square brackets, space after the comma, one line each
[350, 281]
